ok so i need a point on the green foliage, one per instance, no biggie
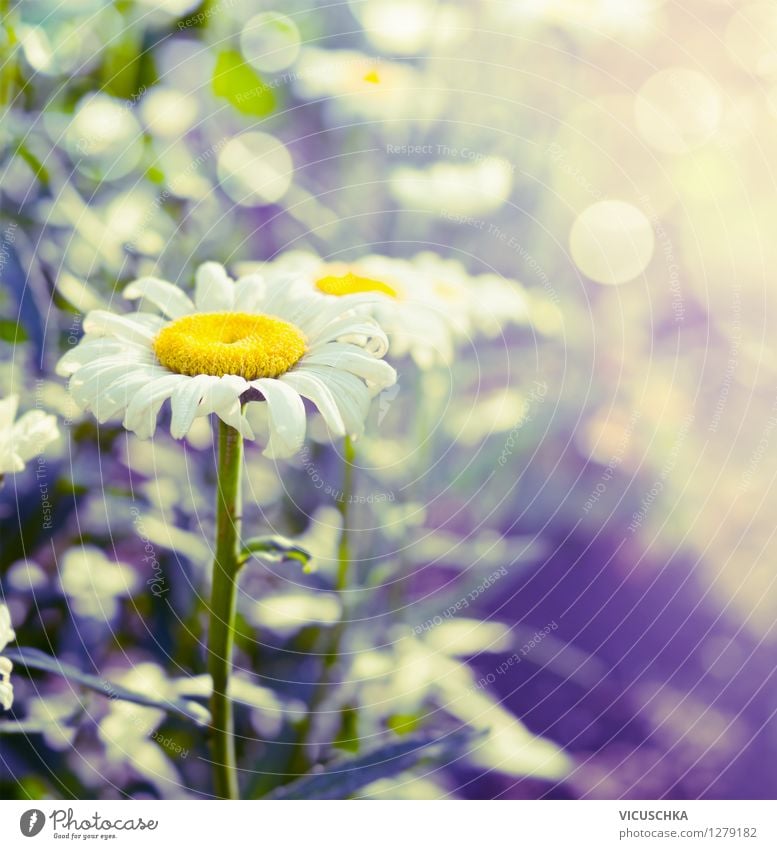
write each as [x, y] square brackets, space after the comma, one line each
[347, 737]
[403, 723]
[12, 332]
[38, 169]
[236, 81]
[35, 659]
[276, 549]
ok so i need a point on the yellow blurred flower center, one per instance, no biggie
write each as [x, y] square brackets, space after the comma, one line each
[220, 343]
[349, 283]
[372, 77]
[447, 291]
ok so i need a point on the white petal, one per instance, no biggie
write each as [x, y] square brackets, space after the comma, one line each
[87, 384]
[333, 308]
[234, 417]
[8, 408]
[350, 392]
[297, 305]
[6, 694]
[137, 327]
[7, 634]
[295, 301]
[90, 349]
[115, 398]
[32, 433]
[314, 387]
[283, 296]
[185, 402]
[214, 290]
[143, 409]
[223, 391]
[222, 397]
[350, 329]
[9, 461]
[250, 292]
[169, 298]
[352, 359]
[286, 414]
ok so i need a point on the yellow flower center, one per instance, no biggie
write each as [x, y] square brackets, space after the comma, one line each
[372, 77]
[348, 283]
[220, 343]
[448, 292]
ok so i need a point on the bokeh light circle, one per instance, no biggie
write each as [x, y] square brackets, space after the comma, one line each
[751, 38]
[677, 110]
[270, 41]
[612, 242]
[168, 112]
[255, 169]
[104, 138]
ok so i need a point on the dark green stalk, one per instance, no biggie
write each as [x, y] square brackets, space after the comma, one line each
[223, 606]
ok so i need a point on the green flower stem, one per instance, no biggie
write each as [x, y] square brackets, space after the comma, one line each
[222, 609]
[300, 762]
[344, 546]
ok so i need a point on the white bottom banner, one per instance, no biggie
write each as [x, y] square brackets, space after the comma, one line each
[383, 823]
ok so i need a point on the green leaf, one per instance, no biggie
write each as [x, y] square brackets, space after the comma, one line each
[38, 169]
[343, 778]
[403, 723]
[347, 737]
[121, 65]
[35, 659]
[12, 332]
[276, 549]
[236, 81]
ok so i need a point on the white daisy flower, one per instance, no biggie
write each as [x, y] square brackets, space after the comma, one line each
[426, 305]
[94, 584]
[21, 440]
[235, 342]
[6, 635]
[455, 190]
[358, 84]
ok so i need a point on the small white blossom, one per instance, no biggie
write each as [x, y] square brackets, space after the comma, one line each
[21, 440]
[6, 635]
[94, 584]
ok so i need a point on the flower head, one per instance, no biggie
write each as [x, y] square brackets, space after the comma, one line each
[6, 635]
[234, 343]
[357, 84]
[426, 305]
[21, 440]
[94, 584]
